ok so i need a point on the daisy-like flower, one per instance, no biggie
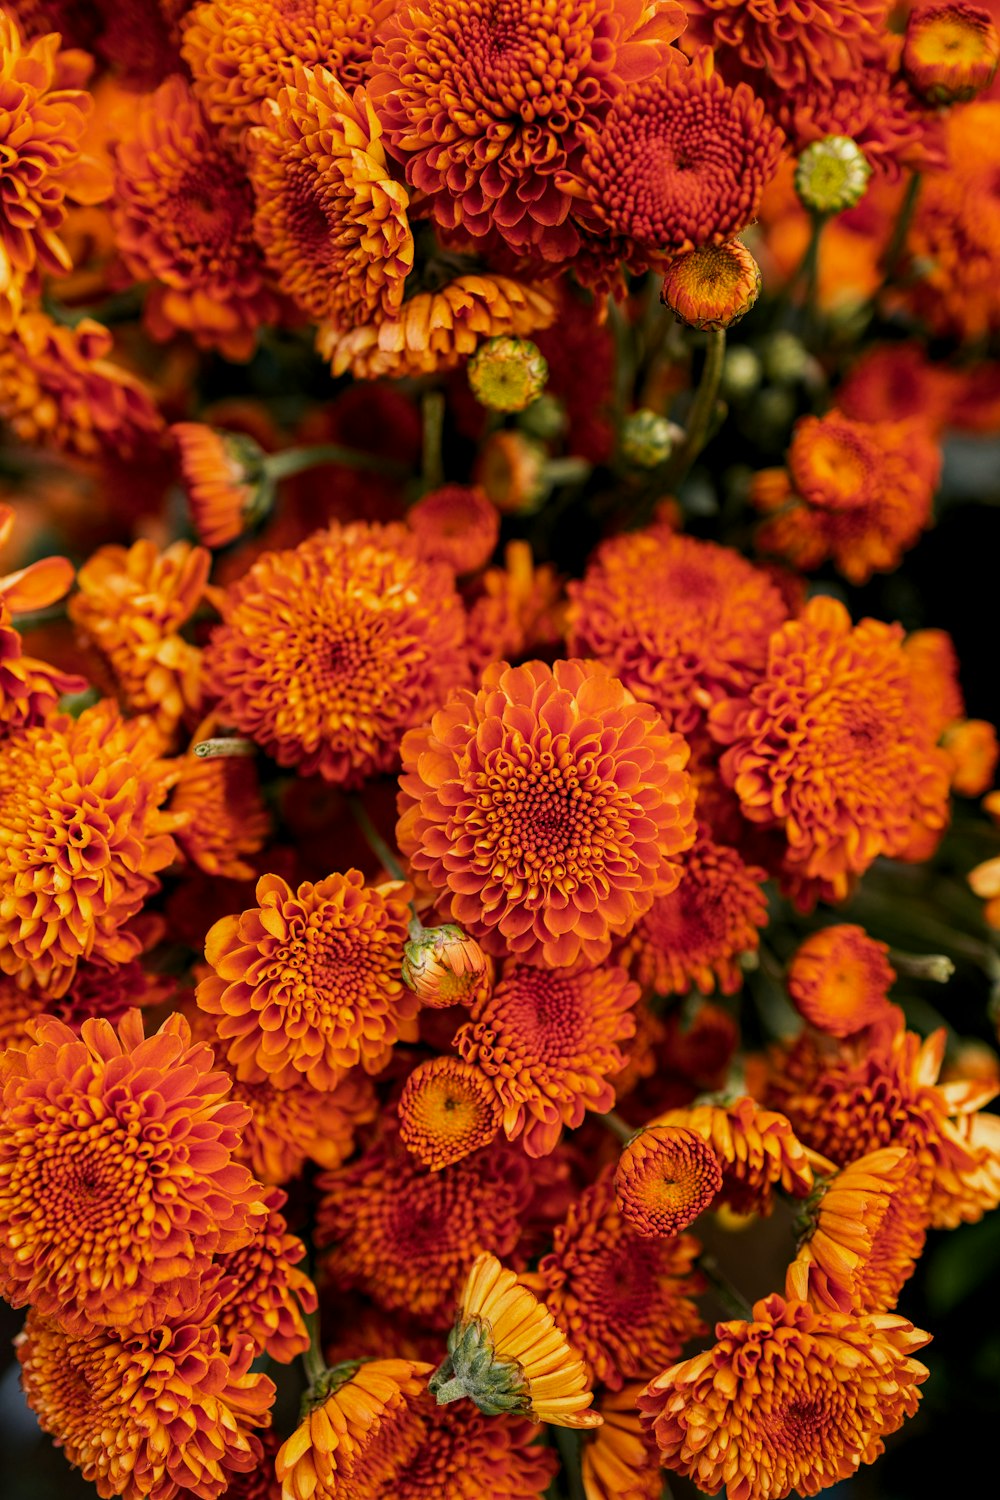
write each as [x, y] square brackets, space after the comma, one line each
[225, 816]
[773, 41]
[464, 1455]
[951, 52]
[82, 838]
[447, 1110]
[623, 1300]
[456, 524]
[506, 1353]
[755, 1147]
[328, 653]
[485, 106]
[694, 937]
[332, 222]
[130, 1187]
[406, 1235]
[361, 1430]
[515, 609]
[261, 1292]
[226, 484]
[549, 1042]
[307, 983]
[828, 748]
[183, 218]
[510, 802]
[713, 287]
[666, 1176]
[618, 1460]
[164, 1414]
[794, 1400]
[839, 980]
[29, 689]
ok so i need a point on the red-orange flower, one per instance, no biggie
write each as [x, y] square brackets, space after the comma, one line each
[29, 689]
[756, 1148]
[973, 750]
[515, 610]
[456, 524]
[260, 1292]
[225, 481]
[951, 52]
[511, 802]
[328, 653]
[447, 1110]
[839, 979]
[666, 1176]
[130, 1187]
[776, 42]
[794, 1400]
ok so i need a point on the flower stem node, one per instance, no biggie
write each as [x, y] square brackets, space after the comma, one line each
[647, 439]
[507, 374]
[471, 1370]
[712, 287]
[832, 175]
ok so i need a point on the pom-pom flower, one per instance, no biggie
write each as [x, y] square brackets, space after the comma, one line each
[226, 481]
[307, 983]
[506, 1354]
[510, 802]
[775, 42]
[464, 1455]
[755, 1147]
[951, 52]
[329, 652]
[130, 1187]
[794, 1400]
[666, 1176]
[444, 966]
[713, 287]
[447, 1110]
[262, 1293]
[840, 978]
[457, 525]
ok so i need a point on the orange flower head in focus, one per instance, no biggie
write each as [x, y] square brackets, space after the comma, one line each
[225, 479]
[625, 1302]
[755, 1147]
[457, 525]
[130, 1187]
[225, 815]
[550, 1040]
[679, 621]
[263, 1292]
[776, 43]
[829, 748]
[29, 689]
[619, 1461]
[839, 979]
[802, 1397]
[666, 1177]
[164, 1414]
[510, 802]
[447, 1110]
[506, 1353]
[712, 287]
[307, 983]
[951, 52]
[82, 837]
[444, 966]
[328, 653]
[484, 106]
[464, 1455]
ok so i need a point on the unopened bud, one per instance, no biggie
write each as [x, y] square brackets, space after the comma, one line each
[648, 439]
[227, 482]
[713, 287]
[507, 374]
[950, 53]
[832, 175]
[444, 966]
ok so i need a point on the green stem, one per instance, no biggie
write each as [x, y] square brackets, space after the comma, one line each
[119, 308]
[432, 412]
[935, 966]
[810, 269]
[701, 413]
[568, 1443]
[312, 1358]
[617, 1126]
[731, 1298]
[897, 244]
[374, 839]
[295, 460]
[566, 471]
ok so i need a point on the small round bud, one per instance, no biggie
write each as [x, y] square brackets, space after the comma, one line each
[648, 439]
[741, 372]
[444, 966]
[950, 53]
[507, 374]
[832, 175]
[544, 418]
[512, 470]
[785, 359]
[713, 287]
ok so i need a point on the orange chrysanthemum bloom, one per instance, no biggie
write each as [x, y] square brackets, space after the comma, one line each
[162, 1415]
[131, 604]
[225, 815]
[464, 1455]
[890, 382]
[680, 621]
[182, 216]
[828, 746]
[515, 610]
[775, 42]
[506, 1353]
[839, 980]
[951, 52]
[666, 1176]
[680, 162]
[406, 1235]
[226, 487]
[307, 982]
[331, 221]
[29, 689]
[934, 673]
[713, 287]
[549, 1042]
[695, 936]
[81, 840]
[864, 1232]
[261, 1293]
[755, 1147]
[457, 525]
[241, 52]
[865, 491]
[58, 389]
[42, 128]
[98, 989]
[624, 1301]
[511, 803]
[619, 1461]
[130, 1187]
[328, 653]
[447, 1110]
[485, 107]
[794, 1400]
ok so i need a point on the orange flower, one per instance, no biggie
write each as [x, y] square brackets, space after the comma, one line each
[224, 812]
[464, 1455]
[549, 1042]
[624, 1301]
[784, 46]
[42, 129]
[937, 692]
[514, 610]
[329, 652]
[444, 966]
[406, 1236]
[307, 983]
[510, 801]
[839, 980]
[713, 287]
[794, 1400]
[98, 989]
[489, 159]
[666, 1177]
[130, 1187]
[695, 936]
[81, 840]
[457, 525]
[164, 1414]
[972, 747]
[755, 1147]
[447, 1110]
[58, 389]
[890, 382]
[263, 1294]
[29, 689]
[680, 621]
[828, 746]
[226, 485]
[951, 52]
[619, 1461]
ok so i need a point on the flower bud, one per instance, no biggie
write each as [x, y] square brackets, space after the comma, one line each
[444, 966]
[648, 439]
[950, 53]
[741, 372]
[226, 477]
[512, 471]
[712, 287]
[507, 374]
[832, 175]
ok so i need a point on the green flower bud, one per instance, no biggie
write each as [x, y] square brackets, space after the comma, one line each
[507, 374]
[831, 175]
